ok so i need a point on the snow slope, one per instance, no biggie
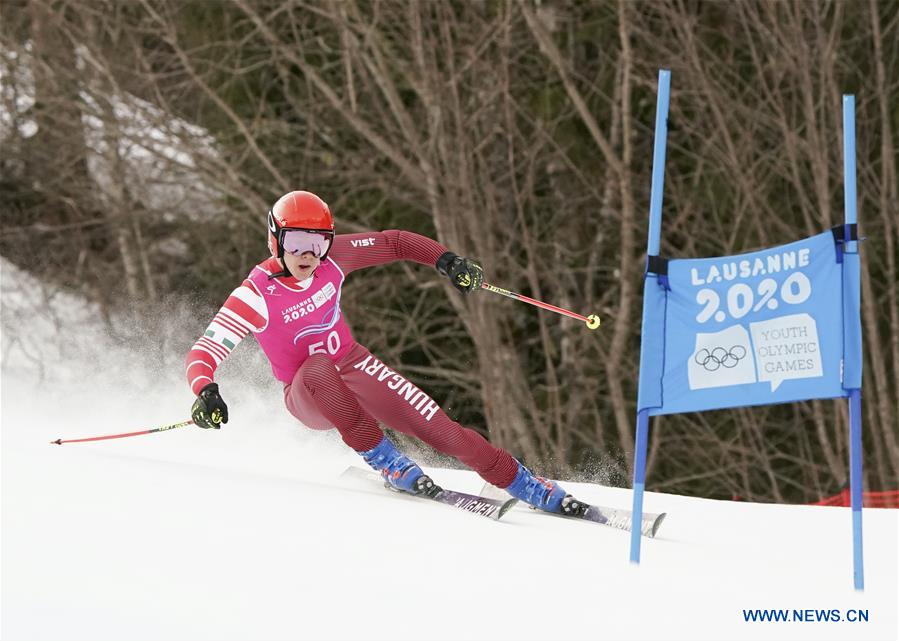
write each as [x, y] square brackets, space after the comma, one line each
[248, 532]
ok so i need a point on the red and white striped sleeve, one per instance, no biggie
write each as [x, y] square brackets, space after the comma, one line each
[243, 312]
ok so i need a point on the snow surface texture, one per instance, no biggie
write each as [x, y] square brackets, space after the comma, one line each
[248, 532]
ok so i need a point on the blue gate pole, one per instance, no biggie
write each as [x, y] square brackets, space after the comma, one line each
[639, 483]
[658, 163]
[850, 202]
[856, 480]
[652, 248]
[855, 486]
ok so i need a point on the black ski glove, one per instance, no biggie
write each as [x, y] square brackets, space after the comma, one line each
[466, 275]
[209, 410]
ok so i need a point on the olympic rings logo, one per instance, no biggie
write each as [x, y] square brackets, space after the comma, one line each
[715, 358]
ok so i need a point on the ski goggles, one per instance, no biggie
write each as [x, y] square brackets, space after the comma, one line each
[297, 242]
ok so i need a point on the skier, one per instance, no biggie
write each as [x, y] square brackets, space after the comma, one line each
[291, 303]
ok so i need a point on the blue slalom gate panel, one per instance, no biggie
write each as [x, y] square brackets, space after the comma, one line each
[759, 328]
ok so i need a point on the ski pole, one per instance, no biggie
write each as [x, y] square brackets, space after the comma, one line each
[127, 434]
[592, 320]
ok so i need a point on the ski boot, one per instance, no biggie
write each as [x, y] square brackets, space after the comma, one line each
[399, 472]
[544, 494]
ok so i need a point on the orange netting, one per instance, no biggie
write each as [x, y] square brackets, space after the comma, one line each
[873, 499]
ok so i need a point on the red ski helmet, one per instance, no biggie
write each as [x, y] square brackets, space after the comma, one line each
[303, 212]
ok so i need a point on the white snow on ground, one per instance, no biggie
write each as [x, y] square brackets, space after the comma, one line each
[249, 533]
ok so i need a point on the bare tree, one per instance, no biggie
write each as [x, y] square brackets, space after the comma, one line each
[516, 132]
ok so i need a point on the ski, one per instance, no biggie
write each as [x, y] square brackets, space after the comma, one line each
[483, 506]
[622, 518]
[615, 517]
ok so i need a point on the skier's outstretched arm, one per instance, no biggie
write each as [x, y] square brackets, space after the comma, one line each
[243, 312]
[355, 251]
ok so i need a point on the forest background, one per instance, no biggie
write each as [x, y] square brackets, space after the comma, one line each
[143, 142]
